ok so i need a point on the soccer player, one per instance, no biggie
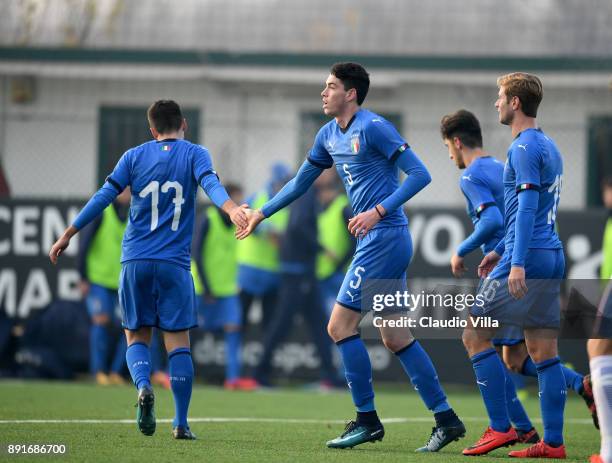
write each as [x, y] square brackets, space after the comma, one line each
[530, 249]
[156, 288]
[482, 185]
[368, 153]
[600, 356]
[214, 273]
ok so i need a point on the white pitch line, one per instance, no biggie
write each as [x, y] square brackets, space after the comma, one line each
[416, 419]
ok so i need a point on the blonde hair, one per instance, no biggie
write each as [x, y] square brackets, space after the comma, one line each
[527, 87]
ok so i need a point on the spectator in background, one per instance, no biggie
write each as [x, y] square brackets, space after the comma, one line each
[258, 264]
[99, 266]
[214, 269]
[606, 264]
[337, 244]
[298, 291]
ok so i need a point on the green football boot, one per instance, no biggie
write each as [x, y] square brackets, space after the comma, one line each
[145, 415]
[355, 434]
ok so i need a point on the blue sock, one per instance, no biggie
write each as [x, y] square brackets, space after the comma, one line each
[491, 380]
[119, 357]
[422, 373]
[233, 340]
[139, 363]
[516, 412]
[358, 372]
[573, 380]
[553, 393]
[181, 382]
[98, 348]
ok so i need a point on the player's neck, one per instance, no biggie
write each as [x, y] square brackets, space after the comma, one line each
[180, 135]
[522, 123]
[470, 155]
[343, 119]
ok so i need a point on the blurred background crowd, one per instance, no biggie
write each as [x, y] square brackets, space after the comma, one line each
[76, 77]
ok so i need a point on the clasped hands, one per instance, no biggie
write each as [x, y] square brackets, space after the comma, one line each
[245, 219]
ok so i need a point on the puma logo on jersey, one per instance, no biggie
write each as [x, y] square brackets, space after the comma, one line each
[523, 146]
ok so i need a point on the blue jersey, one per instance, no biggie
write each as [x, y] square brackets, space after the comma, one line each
[482, 185]
[534, 163]
[164, 177]
[364, 156]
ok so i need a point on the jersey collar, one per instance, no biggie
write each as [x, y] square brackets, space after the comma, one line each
[348, 126]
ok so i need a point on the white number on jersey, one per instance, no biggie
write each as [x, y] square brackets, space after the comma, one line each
[153, 189]
[349, 178]
[556, 188]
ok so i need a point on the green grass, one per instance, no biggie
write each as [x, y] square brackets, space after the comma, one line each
[246, 441]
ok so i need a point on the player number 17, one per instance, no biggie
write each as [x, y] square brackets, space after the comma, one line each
[556, 189]
[153, 189]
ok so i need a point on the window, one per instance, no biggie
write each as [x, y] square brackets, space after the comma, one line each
[121, 128]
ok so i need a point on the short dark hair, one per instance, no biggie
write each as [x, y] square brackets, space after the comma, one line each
[353, 75]
[165, 116]
[528, 89]
[463, 125]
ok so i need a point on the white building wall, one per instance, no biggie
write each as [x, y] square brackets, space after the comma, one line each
[50, 147]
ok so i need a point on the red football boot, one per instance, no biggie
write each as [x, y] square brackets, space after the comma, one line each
[492, 440]
[587, 395]
[539, 450]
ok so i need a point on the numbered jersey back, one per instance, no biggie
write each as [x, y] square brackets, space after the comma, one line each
[534, 163]
[164, 177]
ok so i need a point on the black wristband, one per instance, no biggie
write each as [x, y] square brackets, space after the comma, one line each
[376, 207]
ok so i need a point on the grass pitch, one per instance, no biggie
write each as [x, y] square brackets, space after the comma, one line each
[287, 425]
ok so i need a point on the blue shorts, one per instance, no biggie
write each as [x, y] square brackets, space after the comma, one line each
[383, 254]
[101, 301]
[508, 336]
[540, 307]
[157, 293]
[224, 311]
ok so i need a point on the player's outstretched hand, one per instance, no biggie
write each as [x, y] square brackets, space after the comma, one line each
[61, 244]
[487, 264]
[458, 267]
[238, 215]
[254, 217]
[516, 282]
[362, 223]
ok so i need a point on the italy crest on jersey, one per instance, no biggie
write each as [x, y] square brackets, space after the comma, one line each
[355, 143]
